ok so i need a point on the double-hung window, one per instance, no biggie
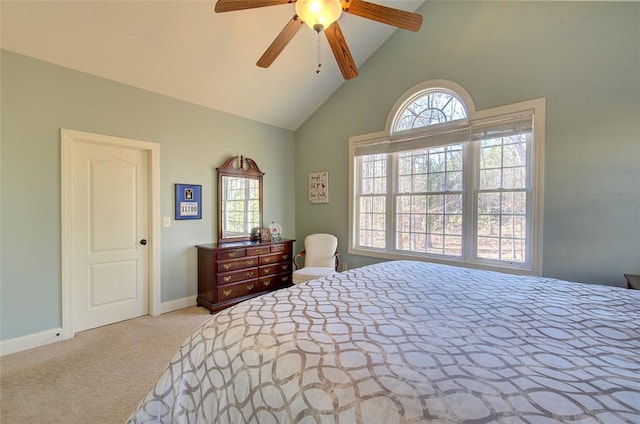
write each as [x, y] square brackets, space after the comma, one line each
[446, 183]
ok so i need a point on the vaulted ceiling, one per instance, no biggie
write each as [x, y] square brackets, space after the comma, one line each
[185, 50]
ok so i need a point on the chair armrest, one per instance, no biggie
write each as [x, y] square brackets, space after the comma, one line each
[298, 255]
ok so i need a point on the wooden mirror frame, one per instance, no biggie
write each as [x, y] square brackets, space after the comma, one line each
[241, 167]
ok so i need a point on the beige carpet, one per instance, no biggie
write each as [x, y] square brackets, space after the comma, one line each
[99, 376]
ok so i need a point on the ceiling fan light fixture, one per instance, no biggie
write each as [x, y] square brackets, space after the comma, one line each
[318, 14]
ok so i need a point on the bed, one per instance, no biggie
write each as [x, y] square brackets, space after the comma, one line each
[411, 342]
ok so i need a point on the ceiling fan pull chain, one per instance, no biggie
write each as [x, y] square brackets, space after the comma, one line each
[319, 57]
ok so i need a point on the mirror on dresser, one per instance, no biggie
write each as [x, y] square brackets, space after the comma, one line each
[239, 199]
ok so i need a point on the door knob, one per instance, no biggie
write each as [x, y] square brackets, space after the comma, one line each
[143, 242]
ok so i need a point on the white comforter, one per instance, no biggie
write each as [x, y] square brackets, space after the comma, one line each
[411, 342]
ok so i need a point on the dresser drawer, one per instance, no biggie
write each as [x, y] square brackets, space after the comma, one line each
[231, 254]
[275, 258]
[286, 256]
[237, 290]
[269, 282]
[258, 250]
[232, 264]
[275, 248]
[274, 269]
[233, 276]
[275, 281]
[270, 259]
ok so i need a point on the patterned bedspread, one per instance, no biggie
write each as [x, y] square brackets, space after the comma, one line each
[409, 342]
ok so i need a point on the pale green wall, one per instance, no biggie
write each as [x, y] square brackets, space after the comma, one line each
[582, 56]
[40, 98]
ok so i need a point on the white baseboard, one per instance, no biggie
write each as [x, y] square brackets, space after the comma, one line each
[30, 341]
[46, 337]
[174, 305]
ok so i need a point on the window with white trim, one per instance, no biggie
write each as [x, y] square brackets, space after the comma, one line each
[447, 183]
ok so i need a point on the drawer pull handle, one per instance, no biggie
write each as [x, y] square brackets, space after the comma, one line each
[249, 263]
[267, 260]
[226, 292]
[250, 274]
[232, 254]
[227, 278]
[249, 286]
[268, 270]
[285, 257]
[266, 283]
[285, 267]
[286, 278]
[226, 266]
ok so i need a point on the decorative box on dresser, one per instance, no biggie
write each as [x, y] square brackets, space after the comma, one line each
[229, 273]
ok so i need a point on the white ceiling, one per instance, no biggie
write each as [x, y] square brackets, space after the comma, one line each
[185, 50]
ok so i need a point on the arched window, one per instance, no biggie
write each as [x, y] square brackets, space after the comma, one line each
[430, 107]
[449, 183]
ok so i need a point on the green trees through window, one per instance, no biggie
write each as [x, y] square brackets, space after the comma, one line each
[449, 183]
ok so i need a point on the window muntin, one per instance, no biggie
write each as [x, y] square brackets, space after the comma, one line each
[487, 213]
[429, 108]
[372, 201]
[428, 205]
[502, 199]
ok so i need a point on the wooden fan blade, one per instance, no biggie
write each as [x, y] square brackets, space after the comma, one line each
[281, 41]
[386, 15]
[231, 5]
[341, 51]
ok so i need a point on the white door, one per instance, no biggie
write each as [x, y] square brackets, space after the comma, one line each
[110, 256]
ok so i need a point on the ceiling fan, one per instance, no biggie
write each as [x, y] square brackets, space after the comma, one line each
[321, 16]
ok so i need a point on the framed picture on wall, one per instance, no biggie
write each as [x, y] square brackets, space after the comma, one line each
[188, 201]
[319, 187]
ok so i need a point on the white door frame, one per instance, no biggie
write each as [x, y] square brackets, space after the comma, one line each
[68, 138]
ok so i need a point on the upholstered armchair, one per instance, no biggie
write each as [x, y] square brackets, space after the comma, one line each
[320, 257]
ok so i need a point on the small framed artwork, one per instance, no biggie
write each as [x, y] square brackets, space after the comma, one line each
[265, 234]
[188, 201]
[319, 187]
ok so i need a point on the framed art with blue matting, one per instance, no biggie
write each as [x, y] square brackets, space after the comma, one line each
[188, 201]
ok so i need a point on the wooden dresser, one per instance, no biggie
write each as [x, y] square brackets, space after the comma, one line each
[229, 273]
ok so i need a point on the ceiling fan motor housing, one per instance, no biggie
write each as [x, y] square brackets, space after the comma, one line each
[319, 14]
